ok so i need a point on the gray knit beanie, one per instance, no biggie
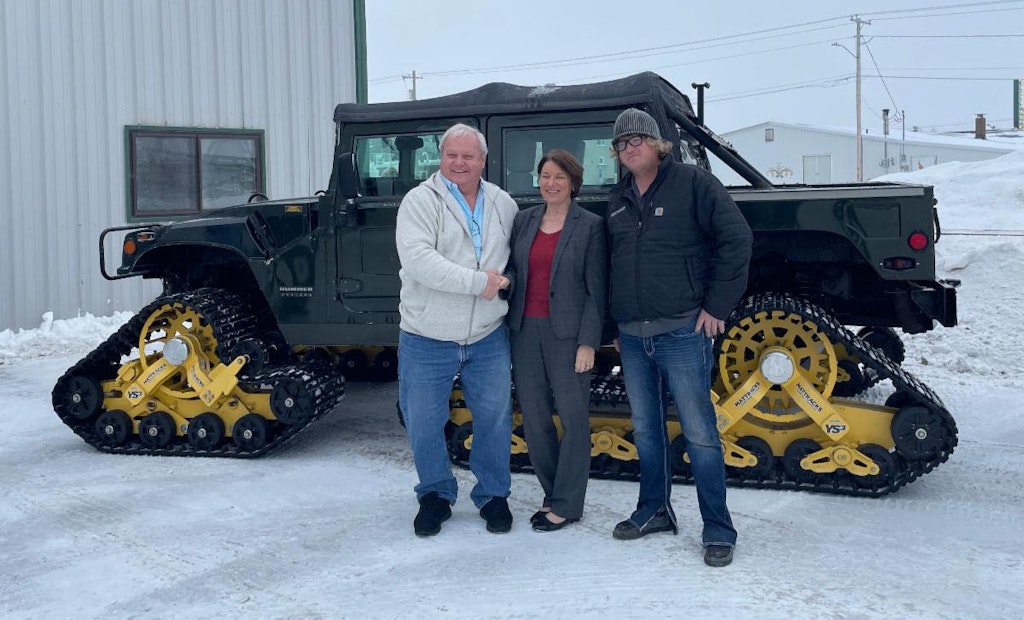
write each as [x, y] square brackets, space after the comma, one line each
[633, 121]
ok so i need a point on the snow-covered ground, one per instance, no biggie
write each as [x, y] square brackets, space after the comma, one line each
[323, 528]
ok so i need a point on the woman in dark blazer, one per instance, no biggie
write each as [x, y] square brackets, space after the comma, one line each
[556, 306]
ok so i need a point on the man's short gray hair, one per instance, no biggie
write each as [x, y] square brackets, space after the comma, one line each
[460, 130]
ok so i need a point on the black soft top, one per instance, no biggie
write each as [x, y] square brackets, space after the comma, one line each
[647, 89]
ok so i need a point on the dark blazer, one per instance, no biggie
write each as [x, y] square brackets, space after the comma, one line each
[579, 277]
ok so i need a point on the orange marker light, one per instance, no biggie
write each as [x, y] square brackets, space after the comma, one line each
[129, 247]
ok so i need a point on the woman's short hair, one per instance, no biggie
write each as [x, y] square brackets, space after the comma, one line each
[459, 130]
[568, 163]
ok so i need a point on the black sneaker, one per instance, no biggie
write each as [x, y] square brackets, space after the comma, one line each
[718, 555]
[434, 510]
[629, 530]
[497, 515]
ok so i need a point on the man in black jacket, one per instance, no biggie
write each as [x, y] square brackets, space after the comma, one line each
[680, 250]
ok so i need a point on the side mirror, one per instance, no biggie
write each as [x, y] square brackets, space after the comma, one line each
[348, 175]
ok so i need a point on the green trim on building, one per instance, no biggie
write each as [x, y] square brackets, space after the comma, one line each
[1018, 122]
[359, 19]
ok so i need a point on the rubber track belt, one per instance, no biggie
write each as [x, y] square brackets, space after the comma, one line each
[231, 322]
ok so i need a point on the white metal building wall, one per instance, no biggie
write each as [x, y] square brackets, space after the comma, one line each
[74, 73]
[781, 160]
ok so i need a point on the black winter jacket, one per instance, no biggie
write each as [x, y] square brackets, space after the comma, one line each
[686, 246]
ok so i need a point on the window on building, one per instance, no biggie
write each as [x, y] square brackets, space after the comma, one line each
[392, 165]
[185, 172]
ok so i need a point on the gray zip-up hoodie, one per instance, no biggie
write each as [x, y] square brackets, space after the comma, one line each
[441, 278]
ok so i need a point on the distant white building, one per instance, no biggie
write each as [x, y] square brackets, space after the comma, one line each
[794, 153]
[117, 112]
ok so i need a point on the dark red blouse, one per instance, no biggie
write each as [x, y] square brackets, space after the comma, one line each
[538, 279]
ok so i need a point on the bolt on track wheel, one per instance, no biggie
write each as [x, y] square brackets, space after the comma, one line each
[810, 348]
[762, 452]
[353, 364]
[205, 431]
[385, 365]
[251, 432]
[113, 428]
[795, 452]
[919, 433]
[83, 397]
[886, 462]
[291, 402]
[156, 430]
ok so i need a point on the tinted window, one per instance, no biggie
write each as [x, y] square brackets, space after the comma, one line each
[392, 165]
[591, 144]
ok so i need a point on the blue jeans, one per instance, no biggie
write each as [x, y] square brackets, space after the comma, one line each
[680, 363]
[426, 368]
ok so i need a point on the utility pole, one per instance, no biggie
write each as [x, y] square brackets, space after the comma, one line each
[885, 137]
[860, 137]
[413, 77]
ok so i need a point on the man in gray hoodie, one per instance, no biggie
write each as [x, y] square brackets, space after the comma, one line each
[453, 242]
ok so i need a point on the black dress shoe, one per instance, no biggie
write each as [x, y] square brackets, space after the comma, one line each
[538, 517]
[629, 530]
[544, 524]
[497, 515]
[434, 510]
[718, 555]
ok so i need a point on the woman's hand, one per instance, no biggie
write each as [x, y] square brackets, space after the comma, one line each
[584, 358]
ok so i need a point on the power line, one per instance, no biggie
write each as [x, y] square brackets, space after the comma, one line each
[632, 55]
[946, 36]
[879, 72]
[943, 7]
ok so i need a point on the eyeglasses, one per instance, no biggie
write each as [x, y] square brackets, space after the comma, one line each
[621, 143]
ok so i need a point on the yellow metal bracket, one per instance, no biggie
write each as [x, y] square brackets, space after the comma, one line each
[828, 460]
[607, 442]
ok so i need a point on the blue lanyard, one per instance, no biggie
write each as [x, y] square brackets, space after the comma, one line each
[474, 217]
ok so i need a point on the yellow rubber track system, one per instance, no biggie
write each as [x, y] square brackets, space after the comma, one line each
[188, 376]
[781, 422]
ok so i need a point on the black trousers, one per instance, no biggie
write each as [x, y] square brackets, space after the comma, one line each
[543, 368]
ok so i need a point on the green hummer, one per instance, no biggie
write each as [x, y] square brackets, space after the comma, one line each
[269, 306]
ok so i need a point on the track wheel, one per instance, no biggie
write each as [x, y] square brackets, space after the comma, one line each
[521, 460]
[765, 465]
[205, 431]
[886, 462]
[854, 384]
[385, 365]
[919, 433]
[291, 402]
[113, 428]
[676, 451]
[795, 452]
[457, 449]
[156, 430]
[83, 397]
[887, 340]
[353, 364]
[250, 432]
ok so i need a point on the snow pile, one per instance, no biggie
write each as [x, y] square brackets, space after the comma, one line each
[77, 335]
[979, 195]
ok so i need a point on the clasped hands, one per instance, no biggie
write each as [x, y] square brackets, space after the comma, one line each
[495, 283]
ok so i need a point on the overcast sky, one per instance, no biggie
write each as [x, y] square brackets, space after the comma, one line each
[942, 61]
